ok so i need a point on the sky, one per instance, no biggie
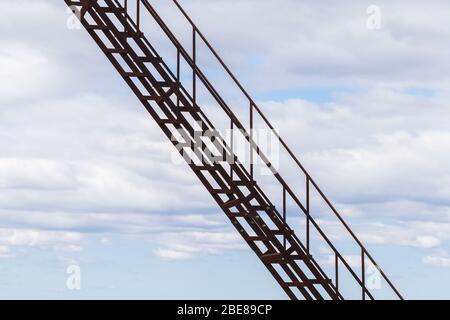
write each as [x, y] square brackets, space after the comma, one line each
[87, 179]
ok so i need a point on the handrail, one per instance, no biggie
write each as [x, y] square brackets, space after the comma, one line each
[241, 87]
[229, 112]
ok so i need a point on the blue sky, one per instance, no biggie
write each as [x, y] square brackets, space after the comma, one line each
[86, 178]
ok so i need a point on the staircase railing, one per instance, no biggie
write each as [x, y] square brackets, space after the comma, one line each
[310, 185]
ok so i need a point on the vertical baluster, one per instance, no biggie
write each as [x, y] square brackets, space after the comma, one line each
[336, 271]
[138, 14]
[363, 273]
[307, 213]
[178, 73]
[125, 6]
[284, 213]
[194, 69]
[232, 159]
[251, 140]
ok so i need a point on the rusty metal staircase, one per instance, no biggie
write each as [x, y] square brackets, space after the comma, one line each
[116, 26]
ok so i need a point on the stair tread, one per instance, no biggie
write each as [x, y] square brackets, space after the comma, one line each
[222, 191]
[151, 59]
[306, 283]
[168, 84]
[256, 238]
[282, 257]
[134, 74]
[112, 9]
[283, 232]
[131, 34]
[203, 167]
[244, 183]
[264, 208]
[115, 50]
[244, 214]
[97, 27]
[234, 202]
[188, 109]
[168, 121]
[150, 98]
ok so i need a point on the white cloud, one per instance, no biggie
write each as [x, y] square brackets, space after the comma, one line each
[186, 245]
[427, 241]
[5, 252]
[203, 220]
[441, 260]
[418, 234]
[29, 237]
[354, 261]
[68, 261]
[172, 254]
[68, 248]
[89, 164]
[387, 157]
[121, 222]
[24, 71]
[105, 241]
[327, 43]
[29, 173]
[74, 161]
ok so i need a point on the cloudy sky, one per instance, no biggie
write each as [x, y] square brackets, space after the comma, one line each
[88, 179]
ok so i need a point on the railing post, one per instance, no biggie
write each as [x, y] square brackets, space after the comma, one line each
[284, 213]
[138, 14]
[178, 73]
[194, 69]
[363, 273]
[251, 140]
[336, 271]
[308, 217]
[232, 159]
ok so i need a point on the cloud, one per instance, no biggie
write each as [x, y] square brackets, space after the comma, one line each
[68, 248]
[81, 156]
[13, 240]
[20, 173]
[393, 150]
[438, 260]
[354, 261]
[5, 252]
[187, 245]
[105, 241]
[24, 71]
[30, 237]
[324, 43]
[90, 165]
[172, 254]
[418, 234]
[427, 241]
[17, 242]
